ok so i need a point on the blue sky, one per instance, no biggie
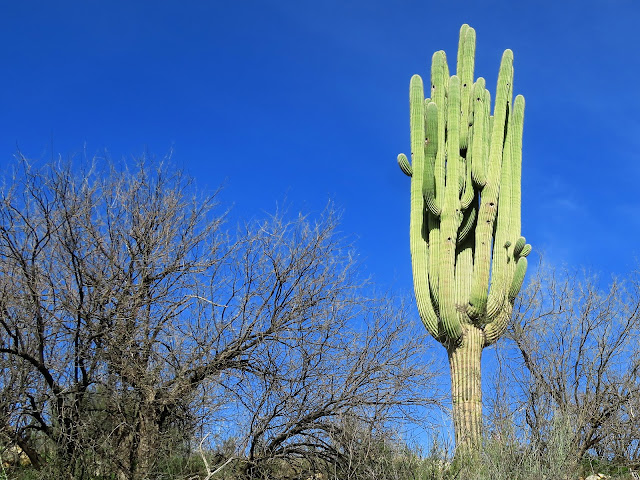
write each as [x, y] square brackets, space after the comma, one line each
[299, 102]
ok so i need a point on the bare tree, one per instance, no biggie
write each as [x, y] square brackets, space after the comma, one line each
[127, 316]
[578, 364]
[95, 269]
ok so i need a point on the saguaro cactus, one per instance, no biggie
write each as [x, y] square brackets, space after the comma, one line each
[467, 254]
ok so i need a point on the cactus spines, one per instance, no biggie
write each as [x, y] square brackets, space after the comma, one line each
[468, 258]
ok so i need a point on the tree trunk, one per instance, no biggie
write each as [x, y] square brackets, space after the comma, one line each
[466, 390]
[148, 433]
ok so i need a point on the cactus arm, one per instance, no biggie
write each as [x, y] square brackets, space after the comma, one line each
[404, 165]
[502, 245]
[520, 243]
[434, 259]
[429, 193]
[451, 218]
[500, 112]
[464, 70]
[418, 219]
[495, 329]
[516, 157]
[439, 83]
[479, 143]
[516, 123]
[468, 222]
[431, 151]
[461, 40]
[518, 278]
[469, 192]
[464, 265]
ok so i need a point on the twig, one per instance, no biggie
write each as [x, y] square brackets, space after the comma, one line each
[206, 464]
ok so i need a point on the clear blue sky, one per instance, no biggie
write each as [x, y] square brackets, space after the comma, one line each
[307, 101]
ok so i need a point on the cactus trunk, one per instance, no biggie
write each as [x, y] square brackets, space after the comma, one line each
[466, 389]
[467, 254]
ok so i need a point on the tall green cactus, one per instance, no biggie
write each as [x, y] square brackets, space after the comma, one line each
[468, 258]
